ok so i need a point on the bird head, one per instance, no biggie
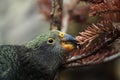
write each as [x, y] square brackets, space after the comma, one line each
[54, 40]
[51, 49]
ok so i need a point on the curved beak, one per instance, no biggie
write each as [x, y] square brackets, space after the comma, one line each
[69, 42]
[70, 38]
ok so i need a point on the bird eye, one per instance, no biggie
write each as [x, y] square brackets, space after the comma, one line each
[50, 41]
[61, 34]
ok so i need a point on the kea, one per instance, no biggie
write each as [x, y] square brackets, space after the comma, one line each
[38, 59]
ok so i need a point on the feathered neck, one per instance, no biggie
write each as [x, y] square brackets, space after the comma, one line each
[33, 69]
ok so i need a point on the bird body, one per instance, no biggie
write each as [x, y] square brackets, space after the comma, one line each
[39, 59]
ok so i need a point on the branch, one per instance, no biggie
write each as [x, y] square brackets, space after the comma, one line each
[56, 15]
[110, 58]
[107, 42]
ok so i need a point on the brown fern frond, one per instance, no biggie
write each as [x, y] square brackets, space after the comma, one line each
[96, 44]
[109, 10]
[100, 30]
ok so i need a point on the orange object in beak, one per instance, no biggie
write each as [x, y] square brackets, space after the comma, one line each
[68, 47]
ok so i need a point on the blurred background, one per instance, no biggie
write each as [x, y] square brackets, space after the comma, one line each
[22, 20]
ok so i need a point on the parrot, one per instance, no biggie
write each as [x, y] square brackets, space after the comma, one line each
[38, 59]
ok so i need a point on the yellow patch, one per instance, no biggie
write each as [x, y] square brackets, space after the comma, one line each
[68, 47]
[62, 34]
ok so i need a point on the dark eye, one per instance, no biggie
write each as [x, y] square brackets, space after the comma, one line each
[50, 41]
